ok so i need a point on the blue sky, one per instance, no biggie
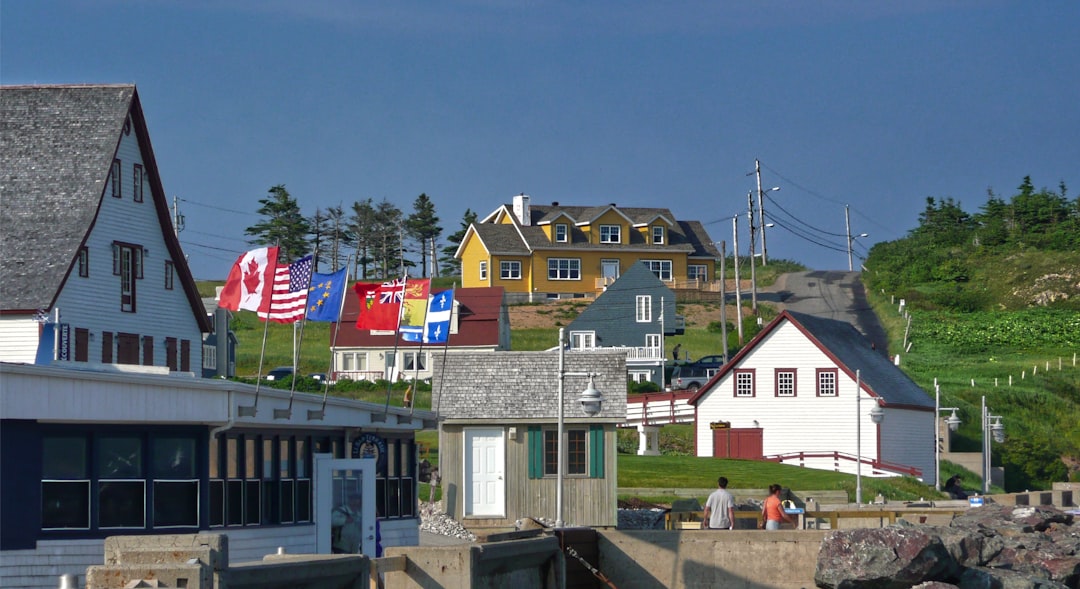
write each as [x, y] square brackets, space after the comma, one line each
[876, 105]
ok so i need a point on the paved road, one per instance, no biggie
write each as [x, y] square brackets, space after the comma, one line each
[828, 293]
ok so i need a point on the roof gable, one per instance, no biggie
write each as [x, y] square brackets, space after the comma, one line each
[848, 349]
[612, 314]
[59, 145]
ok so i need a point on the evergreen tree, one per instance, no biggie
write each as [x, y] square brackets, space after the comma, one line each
[362, 227]
[283, 225]
[423, 227]
[339, 236]
[319, 225]
[451, 265]
[388, 232]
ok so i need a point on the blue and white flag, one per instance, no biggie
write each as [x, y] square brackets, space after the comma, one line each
[324, 296]
[437, 321]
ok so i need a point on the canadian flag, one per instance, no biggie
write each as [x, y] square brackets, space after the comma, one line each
[250, 282]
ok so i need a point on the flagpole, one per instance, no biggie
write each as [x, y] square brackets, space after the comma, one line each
[244, 411]
[446, 347]
[298, 343]
[401, 309]
[321, 413]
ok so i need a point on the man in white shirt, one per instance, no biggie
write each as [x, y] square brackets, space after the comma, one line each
[720, 508]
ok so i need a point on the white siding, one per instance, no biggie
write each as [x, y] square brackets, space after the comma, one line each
[18, 338]
[93, 302]
[806, 422]
[41, 568]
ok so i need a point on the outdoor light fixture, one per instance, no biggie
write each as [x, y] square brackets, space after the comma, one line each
[591, 399]
[877, 415]
[953, 422]
[993, 430]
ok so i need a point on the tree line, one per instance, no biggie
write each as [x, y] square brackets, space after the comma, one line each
[380, 239]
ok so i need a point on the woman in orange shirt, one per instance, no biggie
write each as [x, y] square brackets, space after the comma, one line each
[772, 512]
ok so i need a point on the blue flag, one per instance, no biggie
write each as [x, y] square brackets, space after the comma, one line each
[437, 322]
[324, 296]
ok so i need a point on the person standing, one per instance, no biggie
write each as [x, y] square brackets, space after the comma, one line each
[772, 511]
[345, 521]
[720, 508]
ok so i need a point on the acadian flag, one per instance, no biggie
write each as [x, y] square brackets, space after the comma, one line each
[250, 281]
[437, 323]
[325, 295]
[380, 304]
[288, 303]
[414, 309]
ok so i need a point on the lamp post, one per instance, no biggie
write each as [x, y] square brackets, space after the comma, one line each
[753, 277]
[952, 421]
[850, 239]
[989, 429]
[591, 402]
[761, 209]
[877, 415]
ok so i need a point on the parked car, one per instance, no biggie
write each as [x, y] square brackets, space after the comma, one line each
[319, 376]
[691, 377]
[712, 361]
[279, 373]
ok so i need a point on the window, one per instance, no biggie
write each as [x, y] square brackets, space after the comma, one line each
[643, 308]
[414, 360]
[583, 452]
[106, 347]
[661, 268]
[658, 234]
[610, 234]
[639, 376]
[137, 178]
[561, 233]
[265, 479]
[170, 353]
[826, 382]
[785, 382]
[483, 270]
[510, 270]
[185, 355]
[84, 262]
[129, 471]
[652, 342]
[354, 362]
[564, 269]
[580, 340]
[697, 272]
[169, 273]
[744, 383]
[127, 264]
[115, 179]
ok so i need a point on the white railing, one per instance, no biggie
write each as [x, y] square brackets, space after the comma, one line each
[632, 353]
[659, 408]
[371, 375]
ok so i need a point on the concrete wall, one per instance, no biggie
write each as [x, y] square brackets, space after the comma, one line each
[521, 564]
[733, 560]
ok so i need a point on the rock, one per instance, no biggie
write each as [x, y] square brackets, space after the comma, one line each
[989, 547]
[888, 558]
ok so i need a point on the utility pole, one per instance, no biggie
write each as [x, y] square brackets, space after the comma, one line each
[847, 224]
[761, 209]
[738, 289]
[178, 219]
[723, 297]
[753, 276]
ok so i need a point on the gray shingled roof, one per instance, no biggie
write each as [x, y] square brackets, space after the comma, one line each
[854, 352]
[58, 146]
[523, 386]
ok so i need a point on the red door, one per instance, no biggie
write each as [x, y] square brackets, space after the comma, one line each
[737, 443]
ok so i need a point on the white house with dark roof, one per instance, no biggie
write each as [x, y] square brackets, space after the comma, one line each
[790, 395]
[86, 237]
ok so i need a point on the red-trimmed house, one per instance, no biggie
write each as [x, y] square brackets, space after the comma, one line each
[479, 322]
[789, 395]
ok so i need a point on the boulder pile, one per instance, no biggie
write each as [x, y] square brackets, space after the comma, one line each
[988, 547]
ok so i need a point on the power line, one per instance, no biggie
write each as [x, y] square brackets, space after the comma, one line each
[216, 207]
[827, 199]
[796, 233]
[777, 205]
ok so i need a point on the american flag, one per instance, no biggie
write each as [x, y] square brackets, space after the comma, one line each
[289, 300]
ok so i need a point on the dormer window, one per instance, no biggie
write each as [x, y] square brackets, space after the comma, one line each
[561, 232]
[658, 234]
[610, 234]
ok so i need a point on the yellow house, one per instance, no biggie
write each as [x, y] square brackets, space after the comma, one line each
[538, 252]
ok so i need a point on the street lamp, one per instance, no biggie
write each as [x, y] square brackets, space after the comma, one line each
[877, 415]
[997, 430]
[761, 219]
[591, 402]
[952, 421]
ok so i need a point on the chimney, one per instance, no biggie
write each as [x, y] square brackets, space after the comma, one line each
[521, 209]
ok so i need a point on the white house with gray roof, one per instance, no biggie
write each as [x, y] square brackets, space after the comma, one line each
[86, 237]
[790, 395]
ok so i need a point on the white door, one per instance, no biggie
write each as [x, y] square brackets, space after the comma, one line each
[336, 482]
[609, 269]
[485, 489]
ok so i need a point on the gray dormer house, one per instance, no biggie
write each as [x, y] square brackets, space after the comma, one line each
[802, 392]
[633, 315]
[90, 269]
